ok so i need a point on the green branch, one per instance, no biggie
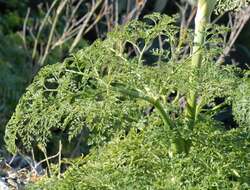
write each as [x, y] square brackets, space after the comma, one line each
[137, 94]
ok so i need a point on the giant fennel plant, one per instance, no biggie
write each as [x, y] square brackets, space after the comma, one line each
[106, 88]
[138, 113]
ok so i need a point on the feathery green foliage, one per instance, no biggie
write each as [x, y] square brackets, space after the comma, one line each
[218, 160]
[79, 93]
[241, 103]
[229, 5]
[108, 89]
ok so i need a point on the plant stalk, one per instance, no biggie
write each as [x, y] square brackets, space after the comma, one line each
[202, 18]
[156, 102]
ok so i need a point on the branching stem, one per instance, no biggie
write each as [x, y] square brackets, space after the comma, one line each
[156, 102]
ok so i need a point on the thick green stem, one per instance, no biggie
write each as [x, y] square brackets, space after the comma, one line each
[164, 115]
[136, 94]
[179, 144]
[202, 18]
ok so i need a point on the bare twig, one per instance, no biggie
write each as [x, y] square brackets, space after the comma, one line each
[97, 19]
[58, 12]
[240, 20]
[25, 28]
[136, 11]
[59, 158]
[72, 16]
[41, 28]
[79, 35]
[58, 154]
